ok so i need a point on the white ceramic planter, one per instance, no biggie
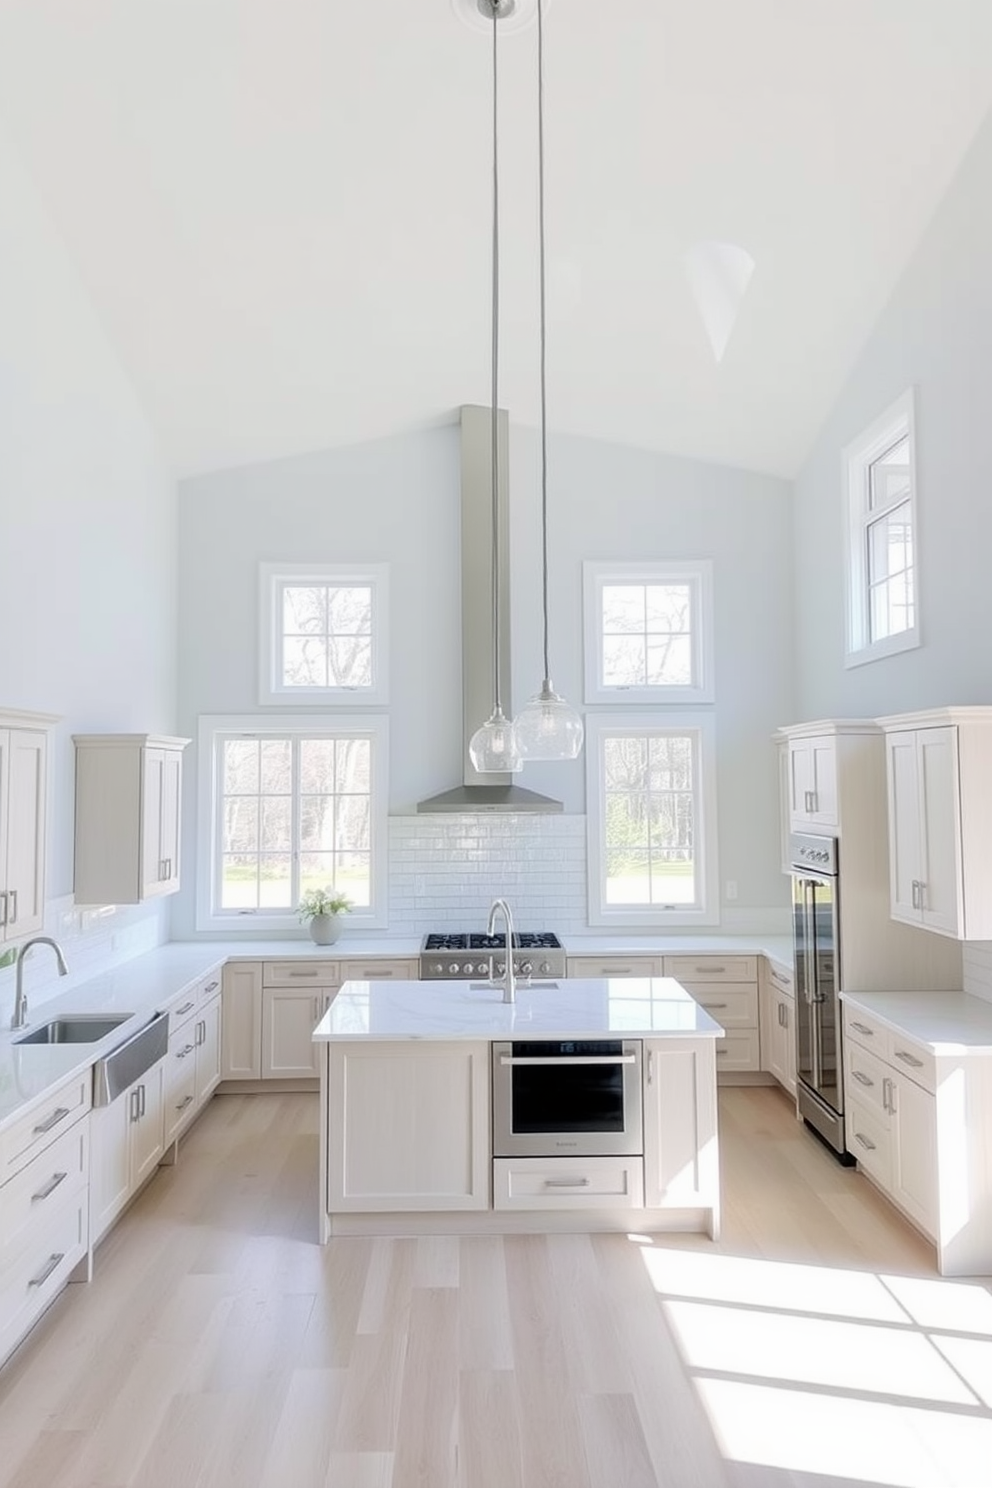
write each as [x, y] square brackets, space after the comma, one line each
[325, 929]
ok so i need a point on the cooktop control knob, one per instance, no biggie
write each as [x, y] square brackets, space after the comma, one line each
[525, 968]
[454, 968]
[437, 968]
[468, 968]
[500, 968]
[544, 968]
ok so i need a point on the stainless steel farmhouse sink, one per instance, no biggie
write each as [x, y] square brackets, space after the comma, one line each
[82, 1028]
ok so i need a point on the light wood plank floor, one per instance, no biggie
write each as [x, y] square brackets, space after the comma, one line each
[220, 1345]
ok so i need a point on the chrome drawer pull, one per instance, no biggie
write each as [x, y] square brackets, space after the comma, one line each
[713, 969]
[210, 987]
[49, 1187]
[181, 1053]
[714, 1004]
[53, 1120]
[506, 1059]
[862, 1079]
[183, 1104]
[909, 1059]
[566, 1182]
[865, 1141]
[186, 1008]
[863, 1028]
[46, 1270]
[311, 972]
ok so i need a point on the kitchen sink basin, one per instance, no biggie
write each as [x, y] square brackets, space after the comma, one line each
[81, 1029]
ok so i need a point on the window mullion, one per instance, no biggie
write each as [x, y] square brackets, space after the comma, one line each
[296, 821]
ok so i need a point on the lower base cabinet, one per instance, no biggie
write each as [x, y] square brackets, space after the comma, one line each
[127, 1141]
[44, 1206]
[568, 1183]
[778, 1026]
[681, 1163]
[410, 1127]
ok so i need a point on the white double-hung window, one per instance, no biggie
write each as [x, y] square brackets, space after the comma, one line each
[883, 581]
[648, 632]
[651, 785]
[286, 805]
[323, 633]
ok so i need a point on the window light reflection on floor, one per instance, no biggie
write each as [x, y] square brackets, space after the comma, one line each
[861, 1376]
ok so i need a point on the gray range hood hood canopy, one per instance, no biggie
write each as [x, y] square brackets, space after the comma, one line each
[484, 792]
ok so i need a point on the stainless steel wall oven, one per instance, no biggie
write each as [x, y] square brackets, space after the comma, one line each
[567, 1098]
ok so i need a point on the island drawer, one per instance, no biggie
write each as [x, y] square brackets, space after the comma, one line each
[391, 969]
[712, 968]
[568, 1183]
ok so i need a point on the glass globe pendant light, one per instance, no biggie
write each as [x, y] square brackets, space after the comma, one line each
[546, 727]
[493, 748]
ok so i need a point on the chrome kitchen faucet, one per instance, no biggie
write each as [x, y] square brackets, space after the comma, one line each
[20, 997]
[508, 979]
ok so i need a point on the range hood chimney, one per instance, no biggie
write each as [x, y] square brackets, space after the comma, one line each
[480, 792]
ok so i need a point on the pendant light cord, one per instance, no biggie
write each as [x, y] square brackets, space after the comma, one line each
[495, 370]
[544, 432]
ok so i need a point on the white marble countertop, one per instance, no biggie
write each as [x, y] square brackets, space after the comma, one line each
[943, 1022]
[139, 987]
[630, 1007]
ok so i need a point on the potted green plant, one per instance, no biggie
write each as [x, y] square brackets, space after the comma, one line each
[320, 908]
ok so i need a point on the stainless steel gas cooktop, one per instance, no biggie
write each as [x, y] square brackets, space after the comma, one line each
[534, 954]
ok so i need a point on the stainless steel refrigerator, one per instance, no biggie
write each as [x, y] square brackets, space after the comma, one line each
[816, 948]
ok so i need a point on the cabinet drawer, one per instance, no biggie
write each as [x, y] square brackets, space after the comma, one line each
[41, 1269]
[209, 988]
[568, 1183]
[869, 1140]
[712, 968]
[301, 973]
[43, 1185]
[861, 1028]
[614, 966]
[34, 1132]
[866, 1078]
[782, 980]
[732, 1005]
[911, 1059]
[388, 969]
[738, 1050]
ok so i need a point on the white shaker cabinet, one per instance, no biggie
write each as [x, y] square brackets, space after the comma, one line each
[681, 1167]
[23, 780]
[128, 809]
[812, 781]
[127, 1142]
[939, 779]
[410, 1125]
[778, 1032]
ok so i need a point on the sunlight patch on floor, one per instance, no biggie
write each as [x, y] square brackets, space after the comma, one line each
[793, 1364]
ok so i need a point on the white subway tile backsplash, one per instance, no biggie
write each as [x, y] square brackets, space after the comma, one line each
[444, 872]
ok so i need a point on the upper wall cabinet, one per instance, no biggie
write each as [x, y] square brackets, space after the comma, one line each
[128, 808]
[23, 781]
[823, 758]
[939, 771]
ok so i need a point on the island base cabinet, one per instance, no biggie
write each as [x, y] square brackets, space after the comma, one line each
[408, 1127]
[681, 1162]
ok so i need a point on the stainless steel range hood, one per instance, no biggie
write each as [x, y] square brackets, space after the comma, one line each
[484, 792]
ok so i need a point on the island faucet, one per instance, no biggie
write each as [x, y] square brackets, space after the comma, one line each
[20, 996]
[508, 979]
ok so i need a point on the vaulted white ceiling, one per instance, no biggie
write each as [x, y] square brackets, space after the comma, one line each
[281, 208]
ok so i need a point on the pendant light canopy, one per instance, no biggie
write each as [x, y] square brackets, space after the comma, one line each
[546, 728]
[493, 748]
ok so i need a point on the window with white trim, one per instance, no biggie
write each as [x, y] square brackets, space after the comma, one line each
[287, 805]
[883, 585]
[648, 632]
[651, 818]
[323, 632]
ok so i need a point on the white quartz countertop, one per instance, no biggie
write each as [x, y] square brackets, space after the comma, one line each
[628, 1007]
[943, 1022]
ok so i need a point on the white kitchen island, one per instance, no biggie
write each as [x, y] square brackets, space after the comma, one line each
[406, 1111]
